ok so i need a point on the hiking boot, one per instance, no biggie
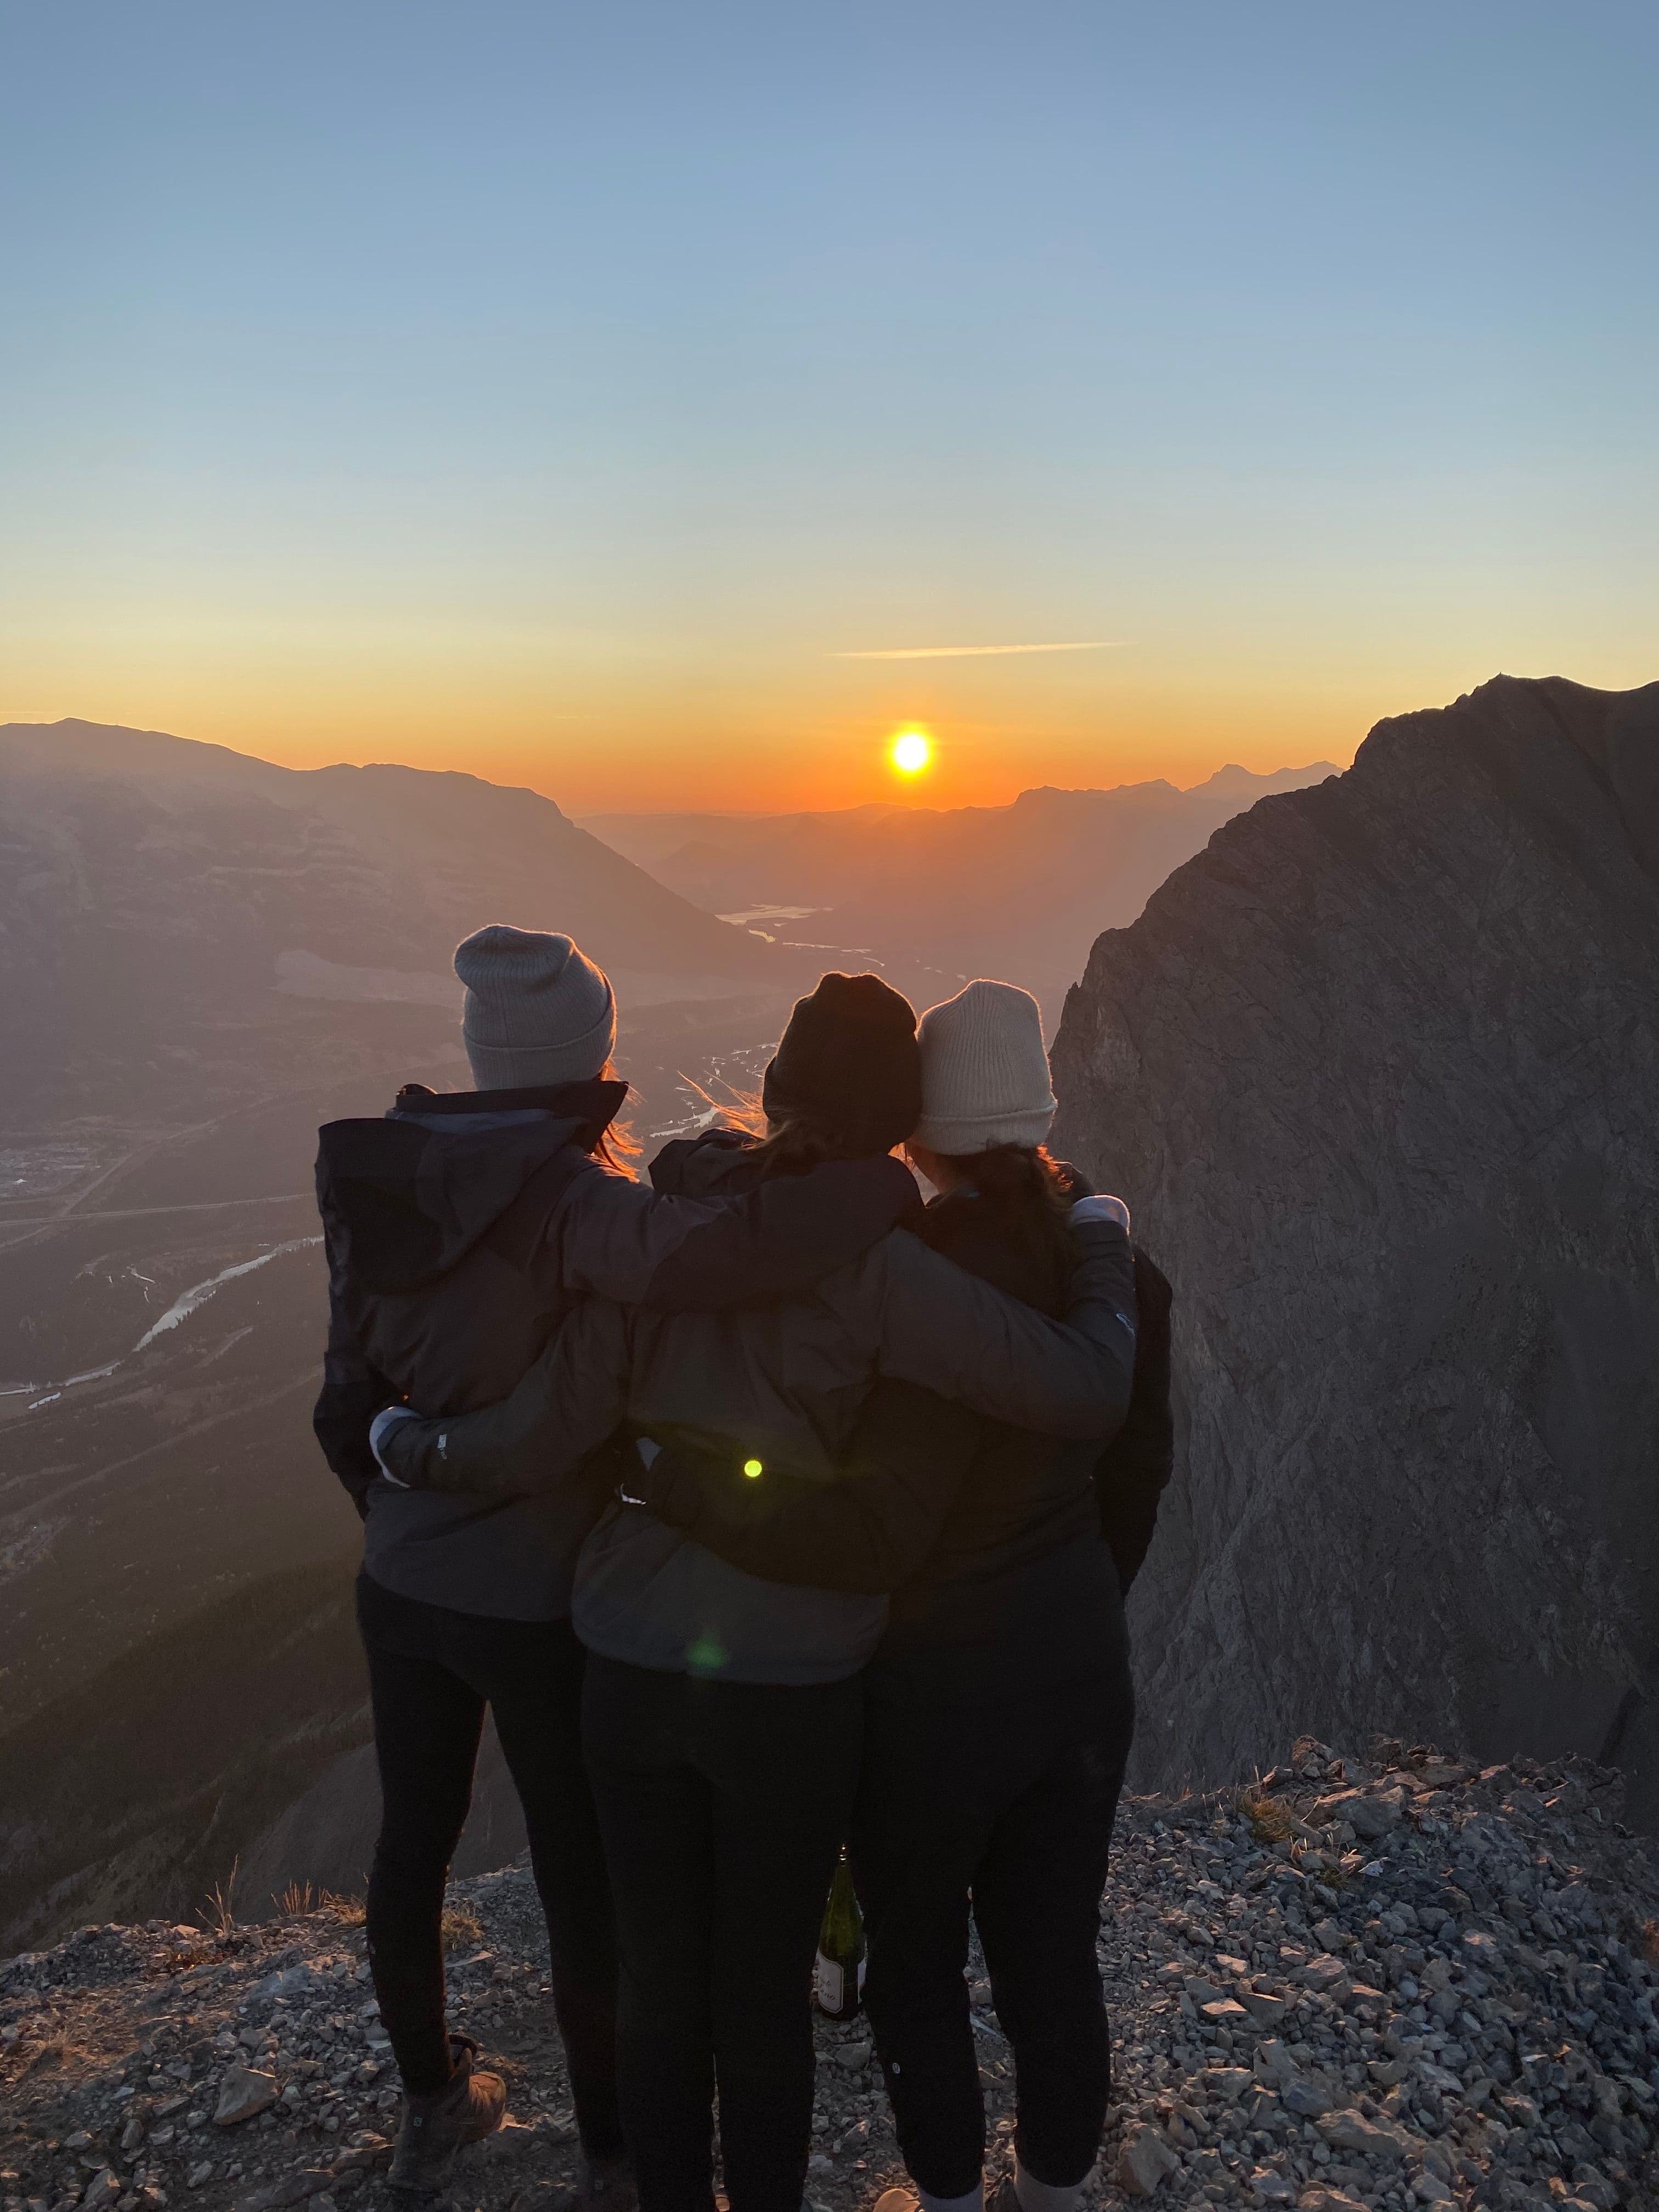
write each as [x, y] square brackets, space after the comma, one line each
[466, 2109]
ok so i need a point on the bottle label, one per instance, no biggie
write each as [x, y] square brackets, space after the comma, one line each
[829, 1983]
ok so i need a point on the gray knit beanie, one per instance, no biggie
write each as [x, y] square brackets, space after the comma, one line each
[984, 1072]
[537, 1011]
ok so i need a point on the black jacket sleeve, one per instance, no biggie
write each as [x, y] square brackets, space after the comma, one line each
[867, 1530]
[1132, 1472]
[616, 1238]
[537, 1438]
[353, 1392]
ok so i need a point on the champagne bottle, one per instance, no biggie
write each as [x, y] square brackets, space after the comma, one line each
[838, 1977]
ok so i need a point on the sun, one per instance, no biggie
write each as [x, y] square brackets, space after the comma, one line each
[910, 751]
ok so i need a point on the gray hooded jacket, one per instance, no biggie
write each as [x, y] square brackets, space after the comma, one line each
[460, 1229]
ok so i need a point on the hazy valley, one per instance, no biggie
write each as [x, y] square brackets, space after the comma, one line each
[202, 958]
[1375, 1070]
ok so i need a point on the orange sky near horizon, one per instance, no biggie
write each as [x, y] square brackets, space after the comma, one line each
[731, 745]
[598, 399]
[744, 758]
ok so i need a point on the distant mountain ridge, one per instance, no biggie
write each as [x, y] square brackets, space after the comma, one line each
[175, 917]
[1019, 891]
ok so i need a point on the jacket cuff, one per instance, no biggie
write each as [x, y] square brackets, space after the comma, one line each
[379, 1428]
[1102, 1209]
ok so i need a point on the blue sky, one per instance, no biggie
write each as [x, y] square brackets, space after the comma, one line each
[561, 392]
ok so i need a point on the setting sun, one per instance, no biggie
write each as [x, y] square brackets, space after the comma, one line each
[911, 752]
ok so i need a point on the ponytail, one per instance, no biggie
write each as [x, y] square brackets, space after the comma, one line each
[1026, 1192]
[798, 1143]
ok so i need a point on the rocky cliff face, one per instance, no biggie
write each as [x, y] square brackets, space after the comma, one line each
[1379, 1072]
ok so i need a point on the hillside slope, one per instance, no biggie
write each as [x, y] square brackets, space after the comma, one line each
[1377, 1072]
[1388, 1984]
[177, 920]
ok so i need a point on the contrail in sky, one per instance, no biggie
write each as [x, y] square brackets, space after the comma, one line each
[964, 652]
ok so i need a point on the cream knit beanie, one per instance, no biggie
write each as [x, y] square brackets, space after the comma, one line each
[984, 1072]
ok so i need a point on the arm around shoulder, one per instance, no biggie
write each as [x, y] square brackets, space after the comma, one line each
[946, 1329]
[535, 1439]
[623, 1240]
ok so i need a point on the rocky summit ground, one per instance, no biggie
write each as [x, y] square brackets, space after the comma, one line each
[1392, 1983]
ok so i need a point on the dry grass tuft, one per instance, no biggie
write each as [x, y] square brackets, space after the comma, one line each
[1270, 1821]
[462, 1928]
[219, 1905]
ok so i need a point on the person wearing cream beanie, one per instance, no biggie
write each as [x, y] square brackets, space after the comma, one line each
[984, 1072]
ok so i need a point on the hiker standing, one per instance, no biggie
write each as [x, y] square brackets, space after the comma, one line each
[998, 1707]
[459, 1229]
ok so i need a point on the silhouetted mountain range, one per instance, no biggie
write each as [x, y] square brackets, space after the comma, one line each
[1020, 892]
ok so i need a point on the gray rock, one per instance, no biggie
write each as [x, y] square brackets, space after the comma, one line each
[243, 2093]
[1305, 2098]
[1274, 2064]
[1431, 2188]
[1269, 2187]
[1327, 1978]
[1352, 2131]
[1228, 2082]
[1145, 2160]
[1372, 1817]
[1265, 2010]
[1375, 1072]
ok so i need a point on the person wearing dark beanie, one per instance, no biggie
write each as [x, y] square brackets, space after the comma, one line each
[849, 1064]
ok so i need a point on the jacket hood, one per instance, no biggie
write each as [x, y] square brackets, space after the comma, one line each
[406, 1198]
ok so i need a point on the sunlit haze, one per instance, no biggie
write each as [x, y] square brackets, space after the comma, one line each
[664, 407]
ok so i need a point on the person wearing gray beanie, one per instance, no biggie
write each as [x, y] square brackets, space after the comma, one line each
[461, 1228]
[538, 1010]
[984, 1072]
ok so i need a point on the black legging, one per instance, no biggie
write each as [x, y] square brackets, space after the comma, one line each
[431, 1672]
[723, 1808]
[984, 1789]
